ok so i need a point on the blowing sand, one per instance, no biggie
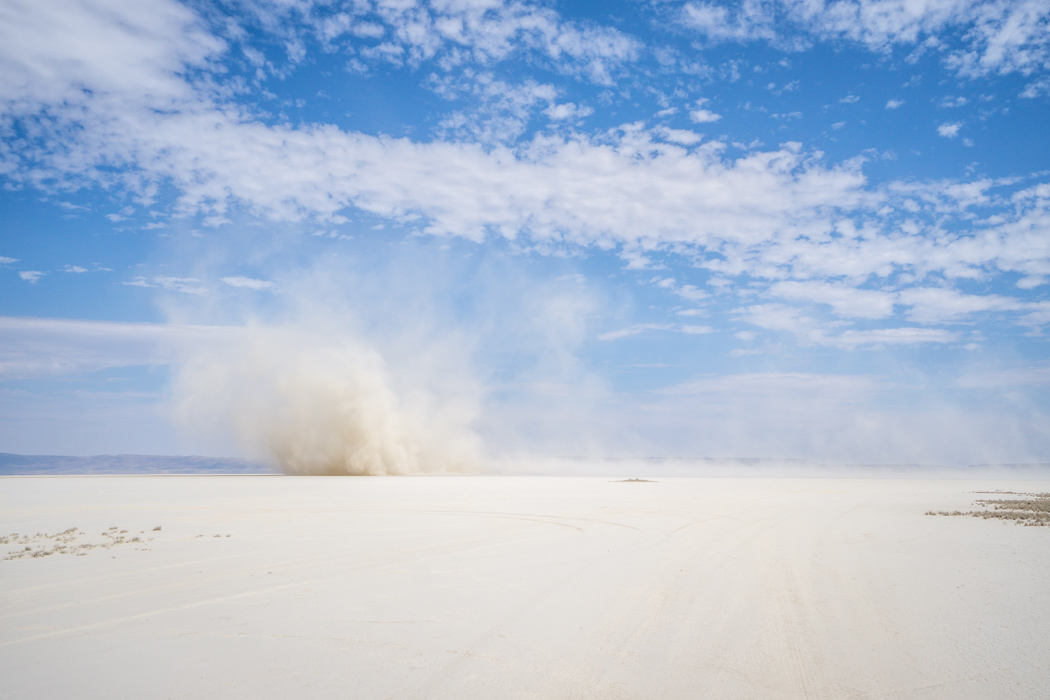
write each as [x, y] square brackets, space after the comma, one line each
[517, 587]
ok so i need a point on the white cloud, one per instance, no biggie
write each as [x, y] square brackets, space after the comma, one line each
[637, 328]
[785, 87]
[1037, 314]
[844, 299]
[752, 20]
[450, 33]
[567, 110]
[503, 109]
[247, 283]
[75, 268]
[784, 383]
[186, 285]
[7, 261]
[701, 115]
[686, 291]
[679, 136]
[849, 99]
[31, 276]
[691, 292]
[810, 331]
[993, 36]
[949, 130]
[1031, 282]
[894, 104]
[159, 35]
[940, 305]
[778, 215]
[35, 346]
[555, 187]
[951, 102]
[1003, 37]
[893, 336]
[1036, 88]
[636, 260]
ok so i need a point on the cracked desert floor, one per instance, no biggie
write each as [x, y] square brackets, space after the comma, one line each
[517, 587]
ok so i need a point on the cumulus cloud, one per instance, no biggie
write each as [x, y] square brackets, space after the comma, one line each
[31, 276]
[683, 137]
[949, 130]
[700, 115]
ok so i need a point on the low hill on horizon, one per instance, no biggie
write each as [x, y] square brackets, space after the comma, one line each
[56, 465]
[130, 464]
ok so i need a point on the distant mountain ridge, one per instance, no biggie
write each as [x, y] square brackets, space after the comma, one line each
[55, 465]
[65, 465]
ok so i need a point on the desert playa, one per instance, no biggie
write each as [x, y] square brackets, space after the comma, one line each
[518, 587]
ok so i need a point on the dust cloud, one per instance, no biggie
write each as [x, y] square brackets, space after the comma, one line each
[320, 404]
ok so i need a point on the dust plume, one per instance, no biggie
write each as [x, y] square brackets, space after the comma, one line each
[320, 404]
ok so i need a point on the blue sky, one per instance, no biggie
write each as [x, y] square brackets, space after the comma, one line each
[768, 229]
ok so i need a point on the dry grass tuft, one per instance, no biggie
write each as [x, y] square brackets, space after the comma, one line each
[1031, 511]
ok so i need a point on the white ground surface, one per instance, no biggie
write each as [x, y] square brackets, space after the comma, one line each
[530, 587]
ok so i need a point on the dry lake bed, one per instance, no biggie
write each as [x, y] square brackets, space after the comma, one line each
[518, 587]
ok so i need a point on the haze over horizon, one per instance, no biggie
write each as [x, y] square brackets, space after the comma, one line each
[376, 236]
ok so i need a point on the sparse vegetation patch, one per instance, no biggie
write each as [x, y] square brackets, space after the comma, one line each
[74, 541]
[69, 541]
[1032, 510]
